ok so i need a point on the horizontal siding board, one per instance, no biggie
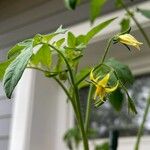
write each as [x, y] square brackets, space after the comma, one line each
[4, 144]
[5, 107]
[11, 7]
[45, 25]
[27, 17]
[4, 126]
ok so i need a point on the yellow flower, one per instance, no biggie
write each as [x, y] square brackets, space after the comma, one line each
[102, 86]
[129, 40]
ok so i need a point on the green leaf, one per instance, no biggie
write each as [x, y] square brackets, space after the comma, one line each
[61, 30]
[81, 39]
[82, 75]
[95, 8]
[84, 39]
[39, 38]
[16, 50]
[72, 136]
[63, 76]
[3, 66]
[116, 99]
[15, 70]
[97, 29]
[71, 4]
[71, 40]
[118, 3]
[123, 71]
[59, 64]
[60, 42]
[43, 56]
[144, 12]
[125, 24]
[131, 105]
[103, 146]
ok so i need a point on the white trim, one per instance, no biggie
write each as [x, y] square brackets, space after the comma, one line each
[21, 122]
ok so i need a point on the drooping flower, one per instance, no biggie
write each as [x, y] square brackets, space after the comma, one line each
[102, 87]
[128, 39]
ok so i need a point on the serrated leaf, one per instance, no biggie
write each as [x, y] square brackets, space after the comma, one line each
[71, 40]
[118, 3]
[16, 50]
[81, 39]
[61, 30]
[43, 56]
[123, 71]
[131, 105]
[97, 29]
[3, 66]
[144, 12]
[15, 70]
[125, 24]
[95, 8]
[73, 134]
[39, 38]
[60, 42]
[116, 99]
[82, 75]
[85, 39]
[71, 4]
[103, 146]
[59, 64]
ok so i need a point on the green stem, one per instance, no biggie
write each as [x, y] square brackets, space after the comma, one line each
[136, 22]
[63, 87]
[77, 101]
[37, 69]
[88, 108]
[140, 131]
[84, 135]
[66, 92]
[106, 50]
[148, 100]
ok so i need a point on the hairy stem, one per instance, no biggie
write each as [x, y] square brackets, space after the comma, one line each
[88, 107]
[141, 128]
[106, 50]
[76, 100]
[148, 100]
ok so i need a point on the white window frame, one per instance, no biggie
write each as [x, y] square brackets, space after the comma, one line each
[25, 125]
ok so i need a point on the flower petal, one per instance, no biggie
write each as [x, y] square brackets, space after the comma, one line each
[100, 91]
[92, 76]
[104, 81]
[129, 40]
[112, 89]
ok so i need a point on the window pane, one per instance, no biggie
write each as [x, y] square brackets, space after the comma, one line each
[105, 118]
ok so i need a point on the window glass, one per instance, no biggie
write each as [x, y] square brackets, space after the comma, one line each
[105, 118]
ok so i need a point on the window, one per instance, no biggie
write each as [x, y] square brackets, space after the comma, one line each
[105, 118]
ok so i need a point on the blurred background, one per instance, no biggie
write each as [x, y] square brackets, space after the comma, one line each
[37, 116]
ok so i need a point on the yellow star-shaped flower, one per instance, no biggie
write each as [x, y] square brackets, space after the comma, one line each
[129, 40]
[102, 87]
